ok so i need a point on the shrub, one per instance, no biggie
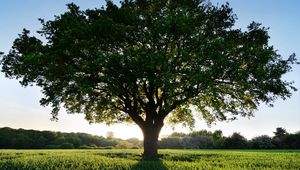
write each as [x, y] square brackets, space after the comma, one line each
[124, 145]
[84, 147]
[93, 146]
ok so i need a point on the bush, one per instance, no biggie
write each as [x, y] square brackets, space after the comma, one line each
[124, 145]
[93, 146]
[106, 147]
[84, 147]
[135, 142]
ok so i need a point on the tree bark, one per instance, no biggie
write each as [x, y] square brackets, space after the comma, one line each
[151, 134]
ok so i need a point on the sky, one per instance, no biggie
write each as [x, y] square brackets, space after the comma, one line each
[19, 106]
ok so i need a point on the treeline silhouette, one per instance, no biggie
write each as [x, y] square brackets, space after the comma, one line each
[215, 140]
[33, 139]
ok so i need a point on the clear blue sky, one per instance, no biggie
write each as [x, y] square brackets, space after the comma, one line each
[19, 107]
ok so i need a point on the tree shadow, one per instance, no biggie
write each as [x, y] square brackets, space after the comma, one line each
[145, 164]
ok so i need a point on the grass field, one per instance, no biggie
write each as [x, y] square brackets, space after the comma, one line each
[131, 159]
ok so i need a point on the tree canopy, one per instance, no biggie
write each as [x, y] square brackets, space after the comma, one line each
[146, 59]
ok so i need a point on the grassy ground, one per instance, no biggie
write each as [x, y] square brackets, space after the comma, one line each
[131, 159]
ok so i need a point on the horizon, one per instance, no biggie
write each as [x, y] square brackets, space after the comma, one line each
[165, 136]
[20, 108]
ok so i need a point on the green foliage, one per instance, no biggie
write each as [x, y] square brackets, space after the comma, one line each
[194, 140]
[135, 142]
[178, 134]
[261, 142]
[170, 143]
[84, 147]
[124, 145]
[131, 160]
[280, 132]
[22, 139]
[291, 141]
[279, 136]
[66, 145]
[147, 59]
[218, 139]
[110, 135]
[200, 133]
[143, 60]
[202, 139]
[236, 141]
[75, 141]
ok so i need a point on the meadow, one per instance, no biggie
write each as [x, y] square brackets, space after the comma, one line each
[131, 159]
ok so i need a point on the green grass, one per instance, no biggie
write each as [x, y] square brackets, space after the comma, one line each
[131, 159]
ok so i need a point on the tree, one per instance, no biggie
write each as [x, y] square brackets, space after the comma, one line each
[145, 60]
[110, 135]
[218, 138]
[200, 133]
[235, 141]
[291, 141]
[75, 141]
[261, 142]
[21, 141]
[171, 143]
[280, 132]
[41, 142]
[278, 138]
[6, 134]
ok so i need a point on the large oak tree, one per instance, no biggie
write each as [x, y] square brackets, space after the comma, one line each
[144, 60]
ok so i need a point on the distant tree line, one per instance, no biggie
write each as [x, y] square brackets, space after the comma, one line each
[33, 139]
[215, 140]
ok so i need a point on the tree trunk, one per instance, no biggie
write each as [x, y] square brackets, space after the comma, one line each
[151, 134]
